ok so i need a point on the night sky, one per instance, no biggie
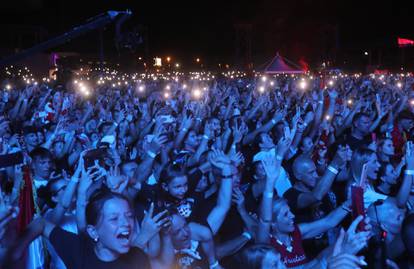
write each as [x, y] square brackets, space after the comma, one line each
[299, 29]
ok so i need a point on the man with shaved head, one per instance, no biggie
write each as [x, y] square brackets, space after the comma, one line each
[309, 189]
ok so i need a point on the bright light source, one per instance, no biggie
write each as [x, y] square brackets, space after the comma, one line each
[197, 93]
[264, 79]
[198, 60]
[168, 87]
[366, 53]
[184, 86]
[177, 65]
[8, 87]
[141, 88]
[303, 84]
[272, 83]
[76, 82]
[331, 83]
[262, 89]
[399, 84]
[168, 59]
[166, 95]
[327, 117]
[349, 101]
[412, 102]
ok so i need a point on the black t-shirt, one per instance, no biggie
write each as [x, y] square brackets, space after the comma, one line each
[77, 252]
[353, 142]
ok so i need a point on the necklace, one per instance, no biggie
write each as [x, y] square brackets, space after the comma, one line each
[288, 248]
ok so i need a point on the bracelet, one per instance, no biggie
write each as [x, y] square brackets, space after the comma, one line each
[268, 194]
[247, 235]
[233, 146]
[153, 120]
[115, 123]
[274, 121]
[206, 137]
[278, 157]
[151, 154]
[214, 265]
[333, 169]
[199, 119]
[320, 102]
[347, 209]
[409, 172]
[184, 129]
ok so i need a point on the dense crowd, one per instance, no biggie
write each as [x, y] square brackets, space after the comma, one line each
[227, 172]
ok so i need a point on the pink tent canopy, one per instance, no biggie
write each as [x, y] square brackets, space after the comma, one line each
[278, 65]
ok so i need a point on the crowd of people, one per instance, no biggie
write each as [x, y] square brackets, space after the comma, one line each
[231, 172]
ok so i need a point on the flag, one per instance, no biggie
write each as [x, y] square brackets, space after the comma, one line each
[403, 42]
[26, 202]
[36, 252]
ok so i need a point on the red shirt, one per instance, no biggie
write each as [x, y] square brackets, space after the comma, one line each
[398, 140]
[293, 256]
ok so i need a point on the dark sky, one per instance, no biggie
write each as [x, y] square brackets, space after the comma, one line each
[206, 28]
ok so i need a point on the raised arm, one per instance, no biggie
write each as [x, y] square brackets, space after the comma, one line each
[405, 189]
[272, 169]
[64, 204]
[325, 183]
[217, 215]
[312, 229]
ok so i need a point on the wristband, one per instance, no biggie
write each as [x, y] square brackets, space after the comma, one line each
[247, 235]
[151, 154]
[347, 209]
[268, 194]
[278, 157]
[184, 129]
[206, 137]
[214, 265]
[274, 121]
[233, 146]
[333, 170]
[409, 172]
[115, 123]
[153, 120]
[320, 102]
[74, 179]
[305, 124]
[199, 119]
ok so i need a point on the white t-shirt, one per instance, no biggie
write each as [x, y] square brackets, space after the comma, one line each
[282, 183]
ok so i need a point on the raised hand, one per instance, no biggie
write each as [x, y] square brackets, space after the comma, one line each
[237, 133]
[283, 146]
[151, 225]
[341, 156]
[409, 155]
[355, 241]
[340, 260]
[238, 198]
[269, 165]
[186, 123]
[155, 145]
[236, 158]
[219, 159]
[115, 181]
